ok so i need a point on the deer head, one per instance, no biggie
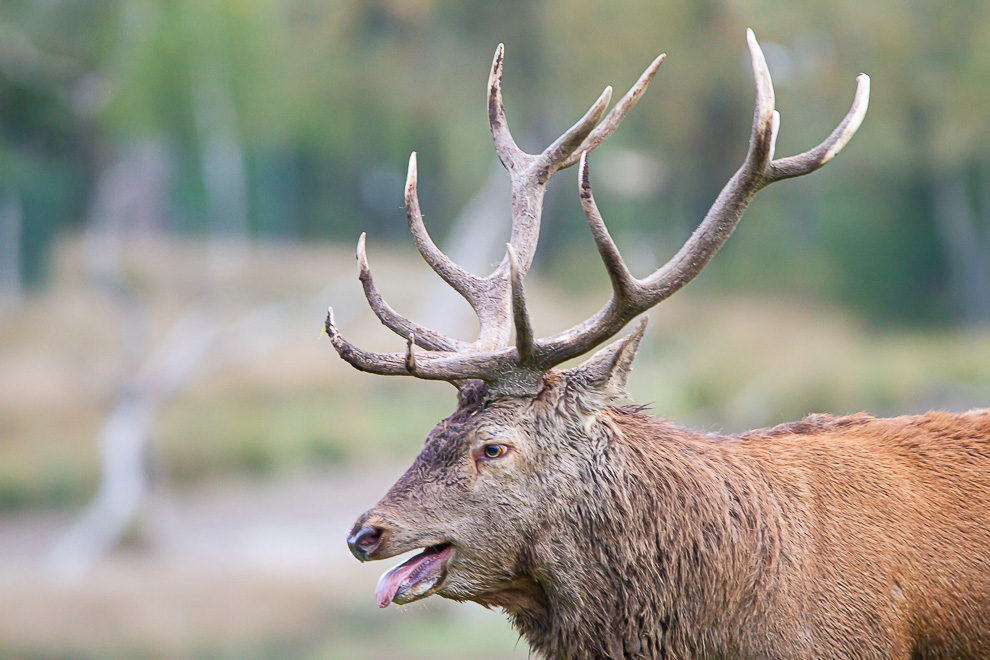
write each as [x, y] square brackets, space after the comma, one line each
[499, 485]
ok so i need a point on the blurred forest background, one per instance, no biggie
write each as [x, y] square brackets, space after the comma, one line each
[181, 186]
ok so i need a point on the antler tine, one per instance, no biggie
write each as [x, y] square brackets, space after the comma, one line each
[623, 283]
[529, 185]
[452, 367]
[374, 363]
[762, 136]
[550, 160]
[508, 151]
[520, 315]
[485, 295]
[567, 144]
[459, 279]
[732, 200]
[400, 325]
[633, 296]
[809, 161]
[530, 174]
[612, 120]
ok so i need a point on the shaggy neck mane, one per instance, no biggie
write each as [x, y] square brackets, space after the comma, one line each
[616, 583]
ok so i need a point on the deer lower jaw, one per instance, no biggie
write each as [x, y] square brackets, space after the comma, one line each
[414, 578]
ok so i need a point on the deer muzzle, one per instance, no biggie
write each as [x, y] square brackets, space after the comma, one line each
[364, 540]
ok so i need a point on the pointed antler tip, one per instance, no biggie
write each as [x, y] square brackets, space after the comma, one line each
[756, 51]
[361, 254]
[497, 59]
[863, 81]
[584, 175]
[756, 54]
[763, 112]
[411, 172]
[603, 100]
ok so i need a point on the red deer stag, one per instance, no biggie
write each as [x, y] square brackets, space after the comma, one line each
[604, 532]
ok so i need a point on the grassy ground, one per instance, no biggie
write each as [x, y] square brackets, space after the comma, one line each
[716, 362]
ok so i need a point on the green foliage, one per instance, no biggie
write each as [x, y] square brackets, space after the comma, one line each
[329, 99]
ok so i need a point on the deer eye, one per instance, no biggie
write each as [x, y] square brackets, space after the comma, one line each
[494, 451]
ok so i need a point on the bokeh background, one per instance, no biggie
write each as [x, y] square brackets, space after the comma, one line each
[182, 183]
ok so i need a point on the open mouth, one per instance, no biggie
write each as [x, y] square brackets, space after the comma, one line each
[414, 578]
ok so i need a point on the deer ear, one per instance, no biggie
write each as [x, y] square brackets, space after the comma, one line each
[603, 376]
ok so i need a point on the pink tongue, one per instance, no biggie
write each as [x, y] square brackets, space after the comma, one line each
[392, 580]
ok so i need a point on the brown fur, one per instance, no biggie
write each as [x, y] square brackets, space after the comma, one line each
[608, 533]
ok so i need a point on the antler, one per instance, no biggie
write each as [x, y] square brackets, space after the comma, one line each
[499, 299]
[631, 296]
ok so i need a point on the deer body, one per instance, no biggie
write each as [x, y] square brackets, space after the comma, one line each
[607, 533]
[628, 536]
[831, 538]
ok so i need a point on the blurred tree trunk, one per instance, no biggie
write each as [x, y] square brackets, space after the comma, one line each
[966, 241]
[221, 151]
[199, 343]
[123, 445]
[11, 274]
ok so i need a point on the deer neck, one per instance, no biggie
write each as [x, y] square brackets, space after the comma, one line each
[667, 539]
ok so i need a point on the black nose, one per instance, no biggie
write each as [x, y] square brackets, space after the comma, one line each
[364, 540]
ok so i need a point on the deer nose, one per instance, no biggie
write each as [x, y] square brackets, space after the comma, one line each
[364, 540]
